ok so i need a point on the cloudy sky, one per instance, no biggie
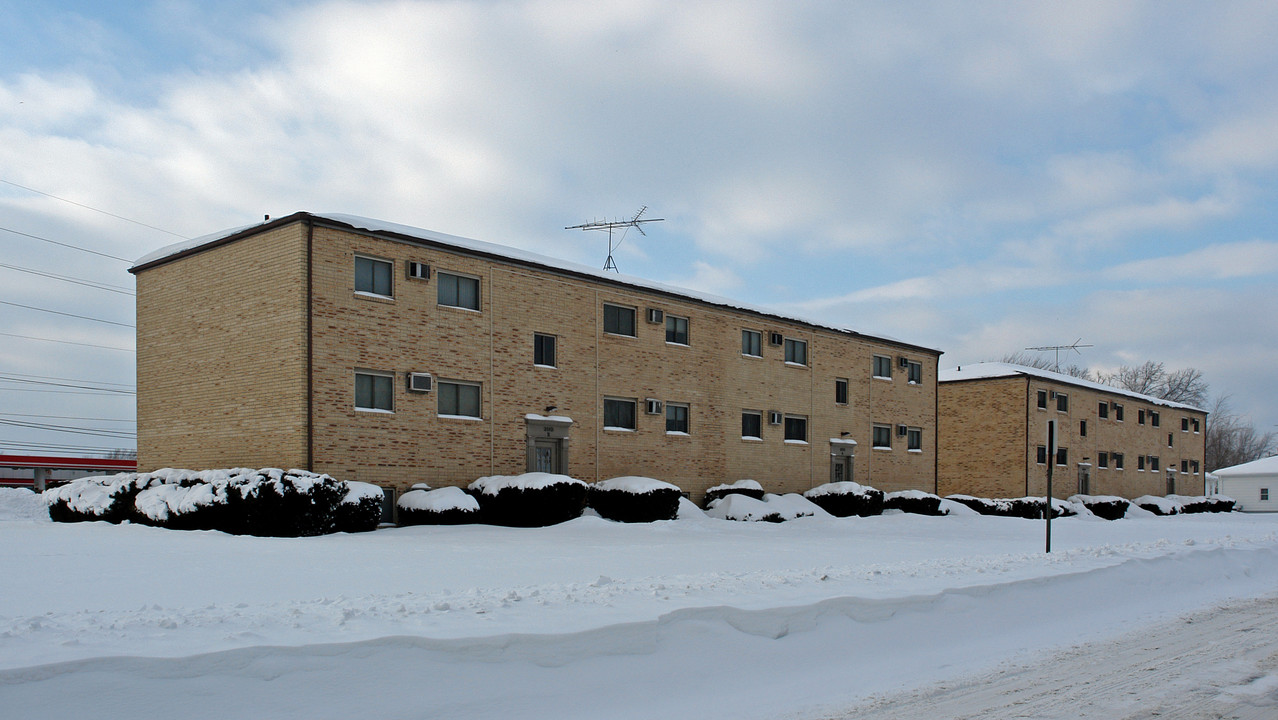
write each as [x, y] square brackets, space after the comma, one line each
[979, 177]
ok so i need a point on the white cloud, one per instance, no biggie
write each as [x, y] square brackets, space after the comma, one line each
[1215, 262]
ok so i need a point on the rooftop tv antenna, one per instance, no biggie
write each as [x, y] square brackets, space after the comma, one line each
[1058, 348]
[610, 225]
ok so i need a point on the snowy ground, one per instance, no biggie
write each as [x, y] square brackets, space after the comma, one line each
[691, 618]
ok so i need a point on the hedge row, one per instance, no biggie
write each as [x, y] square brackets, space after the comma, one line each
[269, 502]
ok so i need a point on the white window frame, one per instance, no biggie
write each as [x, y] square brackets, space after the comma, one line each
[875, 367]
[841, 385]
[633, 318]
[687, 418]
[914, 439]
[914, 373]
[389, 377]
[442, 392]
[757, 343]
[390, 276]
[883, 430]
[554, 350]
[786, 425]
[675, 320]
[757, 414]
[791, 347]
[634, 414]
[441, 277]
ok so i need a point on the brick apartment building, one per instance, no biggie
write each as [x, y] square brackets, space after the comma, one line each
[993, 427]
[394, 355]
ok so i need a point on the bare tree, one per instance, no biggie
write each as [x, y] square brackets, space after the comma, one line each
[1232, 440]
[1185, 386]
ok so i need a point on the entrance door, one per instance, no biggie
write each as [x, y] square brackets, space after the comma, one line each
[840, 468]
[545, 456]
[1084, 479]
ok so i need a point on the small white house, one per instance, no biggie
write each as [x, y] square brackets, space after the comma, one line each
[1254, 485]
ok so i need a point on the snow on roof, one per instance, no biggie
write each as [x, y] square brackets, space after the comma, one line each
[501, 251]
[986, 370]
[1255, 468]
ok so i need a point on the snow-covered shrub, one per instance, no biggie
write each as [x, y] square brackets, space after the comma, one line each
[102, 497]
[1109, 507]
[749, 488]
[772, 508]
[529, 500]
[914, 501]
[634, 499]
[1193, 503]
[983, 506]
[845, 499]
[444, 506]
[361, 509]
[1221, 503]
[1158, 505]
[243, 501]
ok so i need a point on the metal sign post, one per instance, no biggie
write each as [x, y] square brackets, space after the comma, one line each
[1051, 461]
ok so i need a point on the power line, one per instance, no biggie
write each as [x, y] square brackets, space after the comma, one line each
[89, 207]
[75, 430]
[66, 417]
[58, 312]
[51, 377]
[67, 342]
[98, 393]
[57, 447]
[77, 281]
[68, 245]
[4, 378]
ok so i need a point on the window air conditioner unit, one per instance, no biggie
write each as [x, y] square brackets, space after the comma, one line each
[775, 339]
[774, 417]
[901, 430]
[420, 382]
[903, 361]
[656, 316]
[1052, 394]
[653, 407]
[420, 271]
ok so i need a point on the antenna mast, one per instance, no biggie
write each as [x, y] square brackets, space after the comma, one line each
[611, 225]
[1058, 348]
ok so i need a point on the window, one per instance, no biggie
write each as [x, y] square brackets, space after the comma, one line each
[676, 418]
[1118, 412]
[1264, 493]
[1184, 467]
[751, 424]
[882, 437]
[1140, 417]
[1102, 460]
[1042, 399]
[1062, 402]
[1118, 461]
[1041, 457]
[841, 391]
[1102, 410]
[1062, 456]
[882, 367]
[1195, 423]
[1193, 466]
[676, 330]
[1154, 418]
[1184, 424]
[751, 343]
[796, 428]
[1140, 463]
[373, 276]
[796, 351]
[619, 414]
[543, 350]
[459, 399]
[374, 391]
[619, 320]
[914, 439]
[458, 290]
[1153, 463]
[1169, 439]
[1082, 428]
[915, 372]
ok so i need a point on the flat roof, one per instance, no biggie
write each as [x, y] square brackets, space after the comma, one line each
[493, 251]
[988, 370]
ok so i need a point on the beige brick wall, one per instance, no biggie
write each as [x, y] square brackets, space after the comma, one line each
[237, 314]
[221, 350]
[990, 451]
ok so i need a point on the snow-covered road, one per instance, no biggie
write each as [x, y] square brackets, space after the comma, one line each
[591, 619]
[1219, 662]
